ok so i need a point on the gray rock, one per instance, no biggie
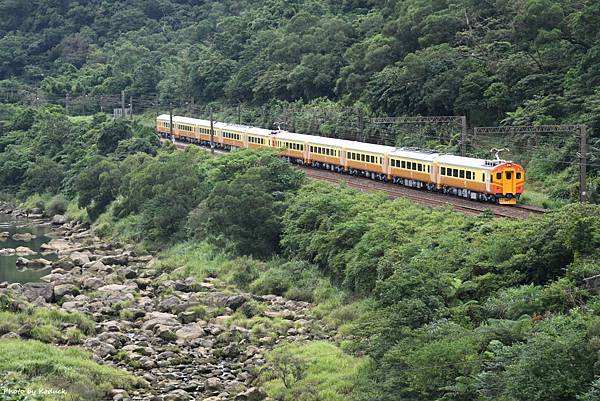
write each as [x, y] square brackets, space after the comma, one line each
[169, 304]
[235, 301]
[157, 318]
[64, 263]
[23, 251]
[80, 258]
[7, 252]
[178, 395]
[130, 274]
[115, 259]
[189, 332]
[65, 289]
[99, 347]
[252, 394]
[38, 263]
[59, 219]
[93, 283]
[32, 291]
[23, 237]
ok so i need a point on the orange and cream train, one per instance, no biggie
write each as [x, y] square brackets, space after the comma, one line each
[498, 181]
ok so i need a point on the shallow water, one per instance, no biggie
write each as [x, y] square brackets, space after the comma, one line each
[8, 268]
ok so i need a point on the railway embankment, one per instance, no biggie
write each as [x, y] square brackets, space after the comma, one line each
[183, 339]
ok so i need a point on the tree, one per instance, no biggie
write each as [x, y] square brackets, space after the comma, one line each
[111, 134]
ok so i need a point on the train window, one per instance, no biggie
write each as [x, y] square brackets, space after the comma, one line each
[373, 159]
[403, 164]
[362, 158]
[312, 149]
[420, 167]
[518, 176]
[482, 177]
[508, 175]
[498, 176]
[468, 175]
[393, 162]
[443, 171]
[462, 173]
[455, 172]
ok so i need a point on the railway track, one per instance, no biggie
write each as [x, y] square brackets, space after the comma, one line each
[465, 206]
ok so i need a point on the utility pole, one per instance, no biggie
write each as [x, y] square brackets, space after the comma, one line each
[212, 133]
[171, 122]
[131, 107]
[157, 105]
[463, 136]
[239, 111]
[101, 104]
[67, 103]
[123, 104]
[582, 163]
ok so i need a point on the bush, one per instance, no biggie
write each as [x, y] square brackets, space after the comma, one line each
[57, 205]
[40, 366]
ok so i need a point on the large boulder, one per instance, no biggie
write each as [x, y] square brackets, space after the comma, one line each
[33, 291]
[65, 289]
[23, 237]
[189, 332]
[252, 394]
[160, 319]
[7, 252]
[23, 251]
[93, 283]
[59, 219]
[122, 259]
[57, 245]
[79, 258]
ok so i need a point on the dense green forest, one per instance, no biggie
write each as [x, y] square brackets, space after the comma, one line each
[535, 59]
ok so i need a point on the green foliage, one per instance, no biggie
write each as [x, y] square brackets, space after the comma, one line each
[111, 134]
[39, 366]
[316, 370]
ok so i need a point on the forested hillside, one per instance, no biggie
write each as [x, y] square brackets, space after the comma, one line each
[529, 60]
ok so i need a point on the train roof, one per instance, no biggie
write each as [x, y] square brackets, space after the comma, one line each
[469, 162]
[415, 153]
[334, 142]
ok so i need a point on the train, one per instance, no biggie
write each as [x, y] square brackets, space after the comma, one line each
[497, 181]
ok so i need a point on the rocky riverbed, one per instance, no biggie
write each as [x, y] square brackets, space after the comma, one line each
[180, 335]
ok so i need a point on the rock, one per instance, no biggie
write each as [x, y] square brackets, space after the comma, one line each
[23, 251]
[65, 289]
[235, 301]
[79, 258]
[32, 291]
[189, 332]
[178, 395]
[59, 219]
[115, 259]
[7, 252]
[93, 283]
[23, 237]
[4, 235]
[214, 383]
[118, 288]
[22, 261]
[252, 394]
[99, 347]
[157, 318]
[119, 395]
[165, 332]
[57, 245]
[38, 263]
[146, 363]
[130, 274]
[64, 263]
[169, 304]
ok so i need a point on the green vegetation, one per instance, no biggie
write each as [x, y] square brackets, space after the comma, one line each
[46, 325]
[317, 370]
[51, 373]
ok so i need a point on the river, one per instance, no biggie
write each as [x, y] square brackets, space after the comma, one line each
[8, 269]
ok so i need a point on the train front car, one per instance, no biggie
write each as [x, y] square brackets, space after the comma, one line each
[507, 182]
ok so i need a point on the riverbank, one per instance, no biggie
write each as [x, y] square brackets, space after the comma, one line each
[186, 339]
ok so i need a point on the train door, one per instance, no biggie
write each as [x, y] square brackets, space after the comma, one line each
[509, 185]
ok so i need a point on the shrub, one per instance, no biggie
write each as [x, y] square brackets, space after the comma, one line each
[57, 205]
